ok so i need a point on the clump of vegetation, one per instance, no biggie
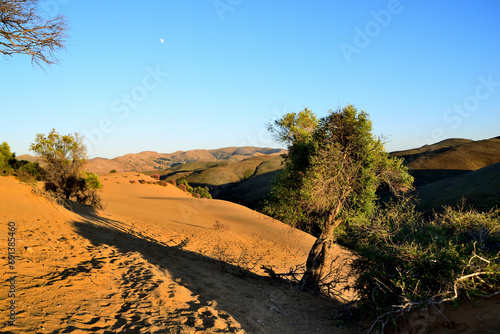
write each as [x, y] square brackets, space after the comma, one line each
[25, 171]
[198, 192]
[7, 159]
[92, 180]
[155, 176]
[64, 158]
[112, 171]
[142, 181]
[184, 185]
[405, 261]
[202, 192]
[172, 182]
[29, 172]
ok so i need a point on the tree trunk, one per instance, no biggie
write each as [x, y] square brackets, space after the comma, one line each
[318, 256]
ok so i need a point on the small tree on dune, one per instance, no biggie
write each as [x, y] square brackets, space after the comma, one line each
[64, 158]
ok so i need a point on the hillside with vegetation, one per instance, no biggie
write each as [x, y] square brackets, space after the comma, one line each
[147, 161]
[245, 182]
[153, 161]
[449, 158]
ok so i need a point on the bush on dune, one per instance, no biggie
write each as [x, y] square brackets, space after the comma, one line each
[202, 192]
[405, 261]
[64, 157]
[183, 184]
[7, 159]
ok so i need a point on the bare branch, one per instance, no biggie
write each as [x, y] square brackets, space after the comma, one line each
[24, 31]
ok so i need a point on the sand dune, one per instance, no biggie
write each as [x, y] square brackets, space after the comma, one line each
[156, 260]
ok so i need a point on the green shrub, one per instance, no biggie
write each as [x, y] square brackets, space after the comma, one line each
[203, 192]
[112, 171]
[7, 159]
[29, 172]
[184, 182]
[404, 260]
[92, 181]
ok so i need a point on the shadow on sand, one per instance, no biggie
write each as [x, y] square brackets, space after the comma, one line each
[255, 302]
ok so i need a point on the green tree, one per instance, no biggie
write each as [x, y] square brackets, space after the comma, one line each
[330, 178]
[293, 128]
[7, 158]
[64, 158]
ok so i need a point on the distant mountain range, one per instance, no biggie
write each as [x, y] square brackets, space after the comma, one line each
[150, 161]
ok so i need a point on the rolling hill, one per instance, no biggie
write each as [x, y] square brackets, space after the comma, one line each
[480, 188]
[449, 158]
[149, 160]
[244, 182]
[145, 161]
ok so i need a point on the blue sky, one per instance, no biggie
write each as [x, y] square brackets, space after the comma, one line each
[179, 75]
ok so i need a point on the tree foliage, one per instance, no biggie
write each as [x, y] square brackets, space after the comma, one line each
[7, 158]
[24, 31]
[294, 128]
[330, 179]
[64, 157]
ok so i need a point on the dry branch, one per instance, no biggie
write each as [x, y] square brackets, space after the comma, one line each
[24, 31]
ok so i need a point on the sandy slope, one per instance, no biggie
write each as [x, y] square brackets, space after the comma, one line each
[152, 262]
[156, 260]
